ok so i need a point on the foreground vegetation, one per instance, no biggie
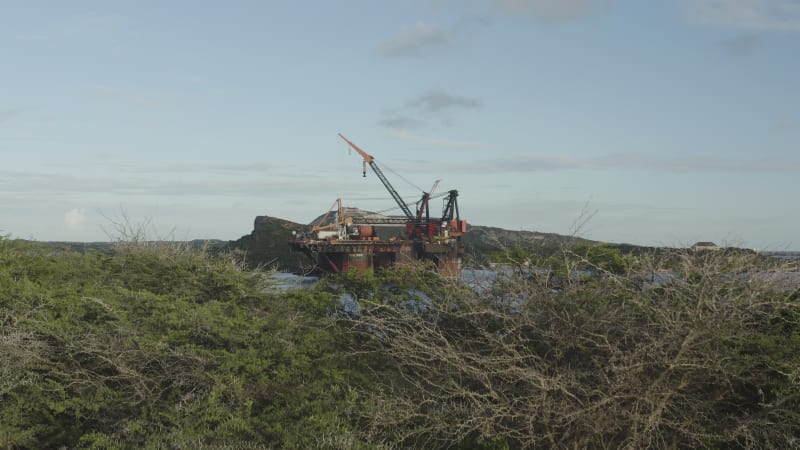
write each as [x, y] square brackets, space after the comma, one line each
[164, 347]
[168, 347]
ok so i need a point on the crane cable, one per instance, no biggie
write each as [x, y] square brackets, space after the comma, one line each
[349, 152]
[401, 177]
[394, 208]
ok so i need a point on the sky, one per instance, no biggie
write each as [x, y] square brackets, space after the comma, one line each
[659, 122]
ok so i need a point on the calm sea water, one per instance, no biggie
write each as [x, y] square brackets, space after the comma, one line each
[784, 255]
[480, 279]
[284, 281]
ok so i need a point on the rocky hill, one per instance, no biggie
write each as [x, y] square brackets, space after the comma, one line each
[480, 242]
[266, 244]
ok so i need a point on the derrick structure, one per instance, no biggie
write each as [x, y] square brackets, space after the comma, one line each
[353, 242]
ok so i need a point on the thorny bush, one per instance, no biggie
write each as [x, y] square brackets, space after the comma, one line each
[698, 350]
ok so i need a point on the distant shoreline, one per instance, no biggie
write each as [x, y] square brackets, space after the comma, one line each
[783, 255]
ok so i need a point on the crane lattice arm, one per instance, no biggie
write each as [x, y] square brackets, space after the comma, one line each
[369, 159]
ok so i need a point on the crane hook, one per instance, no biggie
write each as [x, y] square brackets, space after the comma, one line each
[364, 168]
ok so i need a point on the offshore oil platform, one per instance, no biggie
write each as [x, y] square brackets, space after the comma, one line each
[340, 240]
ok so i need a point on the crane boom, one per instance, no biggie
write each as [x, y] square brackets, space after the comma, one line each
[369, 159]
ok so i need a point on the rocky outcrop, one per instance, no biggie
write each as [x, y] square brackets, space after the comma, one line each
[267, 244]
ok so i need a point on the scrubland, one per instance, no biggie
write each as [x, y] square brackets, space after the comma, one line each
[166, 346]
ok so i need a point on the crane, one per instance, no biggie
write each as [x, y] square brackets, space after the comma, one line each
[419, 225]
[369, 159]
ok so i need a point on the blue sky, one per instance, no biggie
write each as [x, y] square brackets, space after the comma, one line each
[666, 121]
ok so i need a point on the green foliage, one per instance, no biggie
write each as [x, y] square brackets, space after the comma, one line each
[168, 347]
[602, 258]
[597, 257]
[165, 347]
[516, 256]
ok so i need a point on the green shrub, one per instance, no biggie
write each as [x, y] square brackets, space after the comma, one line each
[167, 347]
[162, 346]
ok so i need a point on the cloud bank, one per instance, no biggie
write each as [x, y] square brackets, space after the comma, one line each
[439, 100]
[435, 106]
[533, 162]
[764, 15]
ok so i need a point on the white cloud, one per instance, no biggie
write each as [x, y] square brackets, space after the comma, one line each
[75, 218]
[255, 167]
[440, 100]
[398, 121]
[765, 15]
[423, 39]
[155, 183]
[436, 105]
[532, 162]
[416, 41]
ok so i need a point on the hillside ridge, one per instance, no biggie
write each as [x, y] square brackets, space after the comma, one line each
[266, 243]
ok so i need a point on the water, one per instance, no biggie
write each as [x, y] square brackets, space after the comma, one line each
[479, 279]
[285, 281]
[482, 279]
[784, 255]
